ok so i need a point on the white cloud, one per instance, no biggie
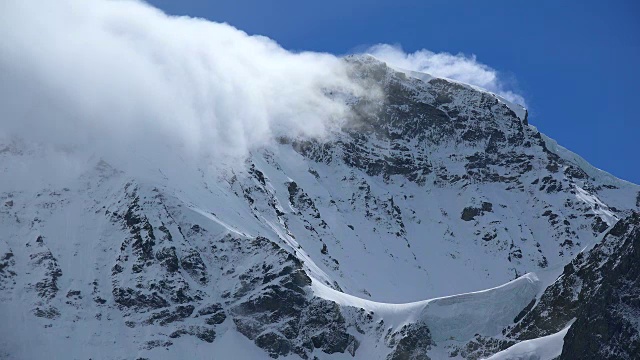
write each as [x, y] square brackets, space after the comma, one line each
[459, 67]
[105, 73]
[123, 78]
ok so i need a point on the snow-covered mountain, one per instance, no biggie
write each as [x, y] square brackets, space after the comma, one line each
[433, 224]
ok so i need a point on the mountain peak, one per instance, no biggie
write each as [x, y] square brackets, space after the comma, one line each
[297, 250]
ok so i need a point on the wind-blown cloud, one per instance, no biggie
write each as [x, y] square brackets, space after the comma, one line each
[459, 67]
[105, 73]
[123, 78]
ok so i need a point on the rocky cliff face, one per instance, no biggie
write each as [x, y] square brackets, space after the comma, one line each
[583, 281]
[607, 326]
[434, 190]
[596, 294]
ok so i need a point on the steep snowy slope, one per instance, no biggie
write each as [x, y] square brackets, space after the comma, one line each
[436, 191]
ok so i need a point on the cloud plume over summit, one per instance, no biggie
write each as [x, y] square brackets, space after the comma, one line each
[124, 76]
[78, 72]
[458, 67]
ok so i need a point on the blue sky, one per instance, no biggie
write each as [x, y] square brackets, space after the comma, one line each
[575, 62]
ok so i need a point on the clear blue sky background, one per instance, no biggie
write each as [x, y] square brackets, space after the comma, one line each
[577, 63]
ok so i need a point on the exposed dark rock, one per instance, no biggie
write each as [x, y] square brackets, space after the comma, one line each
[210, 309]
[47, 287]
[599, 226]
[481, 347]
[130, 298]
[575, 172]
[411, 342]
[157, 343]
[168, 316]
[216, 319]
[205, 334]
[606, 326]
[46, 312]
[281, 317]
[275, 344]
[324, 318]
[7, 274]
[168, 259]
[99, 300]
[524, 311]
[216, 312]
[192, 263]
[469, 213]
[201, 332]
[582, 289]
